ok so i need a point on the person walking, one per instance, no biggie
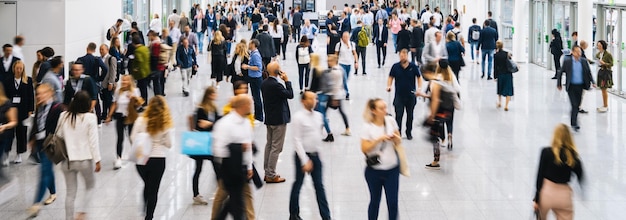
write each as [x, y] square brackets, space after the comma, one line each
[46, 119]
[109, 82]
[502, 75]
[186, 60]
[218, 57]
[296, 22]
[417, 41]
[473, 34]
[79, 128]
[157, 66]
[404, 38]
[276, 91]
[156, 122]
[435, 50]
[335, 91]
[406, 75]
[303, 58]
[380, 134]
[380, 39]
[332, 40]
[321, 85]
[126, 99]
[140, 69]
[346, 54]
[307, 140]
[8, 121]
[578, 77]
[556, 49]
[456, 51]
[206, 115]
[286, 33]
[242, 56]
[487, 43]
[276, 31]
[199, 26]
[605, 74]
[394, 27]
[309, 30]
[556, 165]
[19, 91]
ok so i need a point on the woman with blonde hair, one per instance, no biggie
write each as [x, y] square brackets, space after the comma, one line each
[445, 72]
[380, 134]
[206, 116]
[319, 86]
[21, 91]
[556, 165]
[218, 57]
[502, 75]
[455, 52]
[156, 121]
[124, 112]
[242, 56]
[8, 121]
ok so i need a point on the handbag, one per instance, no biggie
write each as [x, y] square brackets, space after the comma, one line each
[404, 164]
[141, 148]
[197, 143]
[54, 146]
[511, 66]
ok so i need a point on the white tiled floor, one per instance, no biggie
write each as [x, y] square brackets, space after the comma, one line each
[489, 175]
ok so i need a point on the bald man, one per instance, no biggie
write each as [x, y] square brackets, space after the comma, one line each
[276, 91]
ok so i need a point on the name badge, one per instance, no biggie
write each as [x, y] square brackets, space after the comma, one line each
[41, 135]
[17, 100]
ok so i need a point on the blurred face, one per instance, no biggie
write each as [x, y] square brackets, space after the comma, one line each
[438, 36]
[345, 37]
[251, 46]
[103, 51]
[576, 52]
[77, 70]
[187, 29]
[43, 95]
[39, 56]
[380, 110]
[7, 51]
[404, 57]
[243, 89]
[380, 22]
[125, 82]
[186, 43]
[309, 101]
[19, 69]
[599, 46]
[117, 42]
[213, 96]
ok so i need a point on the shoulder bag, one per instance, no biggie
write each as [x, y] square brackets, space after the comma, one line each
[511, 66]
[54, 146]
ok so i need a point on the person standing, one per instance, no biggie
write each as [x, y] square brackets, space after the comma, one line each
[255, 77]
[257, 18]
[502, 75]
[286, 33]
[380, 39]
[487, 43]
[276, 91]
[211, 21]
[124, 103]
[404, 38]
[344, 23]
[217, 47]
[174, 34]
[361, 40]
[266, 45]
[95, 68]
[303, 58]
[155, 24]
[493, 24]
[473, 34]
[435, 50]
[199, 25]
[556, 165]
[417, 41]
[394, 27]
[8, 60]
[296, 22]
[156, 66]
[114, 31]
[156, 122]
[276, 31]
[578, 77]
[109, 82]
[346, 53]
[174, 17]
[556, 49]
[605, 74]
[455, 51]
[309, 30]
[186, 60]
[18, 43]
[8, 121]
[79, 128]
[406, 75]
[191, 37]
[19, 90]
[80, 82]
[380, 134]
[140, 69]
[46, 119]
[307, 140]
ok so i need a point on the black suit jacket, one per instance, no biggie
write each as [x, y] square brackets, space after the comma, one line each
[266, 46]
[568, 68]
[417, 37]
[92, 66]
[297, 19]
[404, 39]
[7, 74]
[25, 92]
[378, 39]
[275, 102]
[51, 121]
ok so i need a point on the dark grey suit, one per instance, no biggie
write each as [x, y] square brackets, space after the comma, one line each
[574, 91]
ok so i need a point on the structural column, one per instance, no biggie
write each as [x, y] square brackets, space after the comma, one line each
[585, 23]
[519, 32]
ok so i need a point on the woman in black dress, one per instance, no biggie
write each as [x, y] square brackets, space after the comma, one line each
[218, 57]
[502, 75]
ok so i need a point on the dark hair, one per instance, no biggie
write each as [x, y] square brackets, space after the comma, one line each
[489, 13]
[56, 61]
[174, 11]
[79, 105]
[91, 46]
[487, 22]
[18, 39]
[473, 20]
[136, 39]
[603, 43]
[238, 84]
[255, 42]
[78, 61]
[47, 52]
[7, 46]
[304, 41]
[134, 25]
[429, 67]
[120, 20]
[264, 27]
[403, 25]
[575, 33]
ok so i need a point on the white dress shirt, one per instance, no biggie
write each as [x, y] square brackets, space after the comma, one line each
[155, 25]
[175, 35]
[232, 129]
[17, 52]
[6, 61]
[276, 34]
[307, 133]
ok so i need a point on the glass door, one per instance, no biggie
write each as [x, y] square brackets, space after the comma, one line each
[540, 35]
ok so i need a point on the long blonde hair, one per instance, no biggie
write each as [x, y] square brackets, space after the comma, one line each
[3, 96]
[315, 63]
[158, 115]
[23, 76]
[207, 104]
[131, 86]
[562, 139]
[218, 37]
[446, 73]
[241, 50]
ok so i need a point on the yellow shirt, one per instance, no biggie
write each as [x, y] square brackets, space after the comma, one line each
[227, 109]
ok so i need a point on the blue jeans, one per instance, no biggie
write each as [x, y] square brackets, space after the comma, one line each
[228, 46]
[346, 69]
[209, 34]
[322, 107]
[46, 180]
[473, 45]
[489, 54]
[316, 175]
[376, 180]
[395, 41]
[255, 88]
[200, 36]
[255, 26]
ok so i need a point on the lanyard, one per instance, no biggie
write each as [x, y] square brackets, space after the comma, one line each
[77, 86]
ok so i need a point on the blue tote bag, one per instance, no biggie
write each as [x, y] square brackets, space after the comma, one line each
[197, 143]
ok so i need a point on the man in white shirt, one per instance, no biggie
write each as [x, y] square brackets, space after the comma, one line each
[233, 151]
[429, 35]
[414, 13]
[18, 42]
[426, 16]
[308, 139]
[438, 18]
[174, 18]
[155, 24]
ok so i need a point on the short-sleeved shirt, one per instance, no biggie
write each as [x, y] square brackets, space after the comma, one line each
[122, 99]
[388, 158]
[404, 78]
[346, 57]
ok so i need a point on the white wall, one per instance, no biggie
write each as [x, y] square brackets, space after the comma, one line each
[87, 21]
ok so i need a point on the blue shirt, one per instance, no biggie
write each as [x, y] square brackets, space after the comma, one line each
[405, 79]
[255, 60]
[577, 72]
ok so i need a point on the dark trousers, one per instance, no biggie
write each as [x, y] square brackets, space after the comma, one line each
[575, 93]
[557, 63]
[266, 60]
[119, 127]
[5, 143]
[255, 88]
[20, 136]
[284, 47]
[151, 174]
[303, 75]
[277, 45]
[455, 65]
[196, 174]
[360, 53]
[316, 175]
[98, 108]
[107, 100]
[142, 84]
[406, 103]
[336, 104]
[381, 49]
[233, 184]
[158, 84]
[376, 180]
[296, 33]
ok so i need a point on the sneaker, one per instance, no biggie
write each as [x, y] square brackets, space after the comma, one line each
[33, 211]
[50, 199]
[489, 78]
[433, 166]
[117, 164]
[603, 109]
[199, 200]
[346, 133]
[185, 93]
[5, 161]
[18, 159]
[582, 111]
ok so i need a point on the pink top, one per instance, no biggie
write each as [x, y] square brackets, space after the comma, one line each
[395, 25]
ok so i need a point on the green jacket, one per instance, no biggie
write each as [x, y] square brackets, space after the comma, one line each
[607, 58]
[141, 63]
